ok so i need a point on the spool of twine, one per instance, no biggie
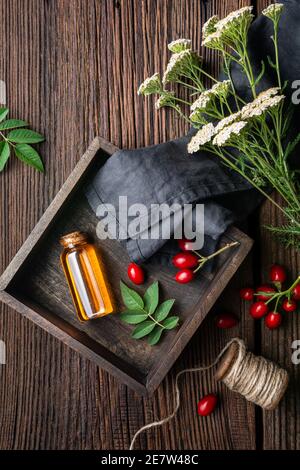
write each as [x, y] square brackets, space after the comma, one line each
[259, 380]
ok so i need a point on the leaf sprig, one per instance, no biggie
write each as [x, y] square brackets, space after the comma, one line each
[19, 139]
[151, 318]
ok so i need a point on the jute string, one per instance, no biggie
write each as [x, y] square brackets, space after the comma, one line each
[259, 380]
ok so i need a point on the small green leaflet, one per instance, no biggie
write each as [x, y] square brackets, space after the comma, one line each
[163, 310]
[155, 335]
[25, 136]
[133, 317]
[143, 329]
[19, 140]
[170, 322]
[29, 155]
[151, 318]
[12, 124]
[3, 113]
[151, 298]
[4, 154]
[131, 299]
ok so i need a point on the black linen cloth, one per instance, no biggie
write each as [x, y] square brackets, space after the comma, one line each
[166, 173]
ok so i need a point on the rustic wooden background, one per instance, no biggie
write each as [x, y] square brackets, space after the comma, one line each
[72, 68]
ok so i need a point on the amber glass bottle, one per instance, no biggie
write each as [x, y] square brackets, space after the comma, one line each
[84, 273]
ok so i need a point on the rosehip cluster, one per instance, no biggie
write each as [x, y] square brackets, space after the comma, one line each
[266, 294]
[189, 261]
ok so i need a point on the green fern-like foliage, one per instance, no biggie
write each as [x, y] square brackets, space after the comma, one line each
[288, 235]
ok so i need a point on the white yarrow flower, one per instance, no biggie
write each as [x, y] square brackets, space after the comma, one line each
[273, 11]
[180, 45]
[150, 85]
[228, 120]
[213, 40]
[175, 65]
[226, 134]
[265, 100]
[201, 102]
[209, 26]
[266, 94]
[203, 136]
[166, 99]
[233, 17]
[272, 102]
[221, 89]
[251, 110]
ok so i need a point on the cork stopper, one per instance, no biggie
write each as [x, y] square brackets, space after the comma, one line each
[227, 362]
[73, 239]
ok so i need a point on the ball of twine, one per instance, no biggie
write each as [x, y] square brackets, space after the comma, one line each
[259, 380]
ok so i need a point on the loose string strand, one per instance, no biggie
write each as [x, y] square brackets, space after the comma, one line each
[177, 397]
[259, 380]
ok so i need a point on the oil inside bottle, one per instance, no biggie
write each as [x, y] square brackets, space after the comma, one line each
[85, 275]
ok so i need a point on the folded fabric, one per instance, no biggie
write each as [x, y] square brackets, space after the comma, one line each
[166, 173]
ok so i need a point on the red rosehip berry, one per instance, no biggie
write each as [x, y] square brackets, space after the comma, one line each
[247, 293]
[135, 273]
[185, 260]
[226, 320]
[185, 244]
[296, 292]
[207, 404]
[277, 274]
[273, 320]
[289, 305]
[184, 276]
[258, 309]
[265, 289]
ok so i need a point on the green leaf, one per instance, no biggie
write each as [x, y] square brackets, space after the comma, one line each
[155, 335]
[4, 154]
[12, 123]
[151, 298]
[143, 329]
[25, 136]
[170, 322]
[163, 310]
[131, 299]
[29, 155]
[3, 113]
[133, 317]
[291, 146]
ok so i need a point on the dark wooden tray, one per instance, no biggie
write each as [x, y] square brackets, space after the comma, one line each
[34, 285]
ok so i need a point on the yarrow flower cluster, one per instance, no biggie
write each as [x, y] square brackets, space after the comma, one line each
[150, 85]
[224, 32]
[201, 103]
[165, 99]
[224, 136]
[228, 120]
[210, 26]
[180, 64]
[203, 136]
[265, 101]
[219, 90]
[273, 11]
[180, 45]
[249, 138]
[213, 40]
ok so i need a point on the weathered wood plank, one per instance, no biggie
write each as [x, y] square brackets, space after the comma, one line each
[72, 68]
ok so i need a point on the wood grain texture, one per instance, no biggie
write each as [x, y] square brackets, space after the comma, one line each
[72, 68]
